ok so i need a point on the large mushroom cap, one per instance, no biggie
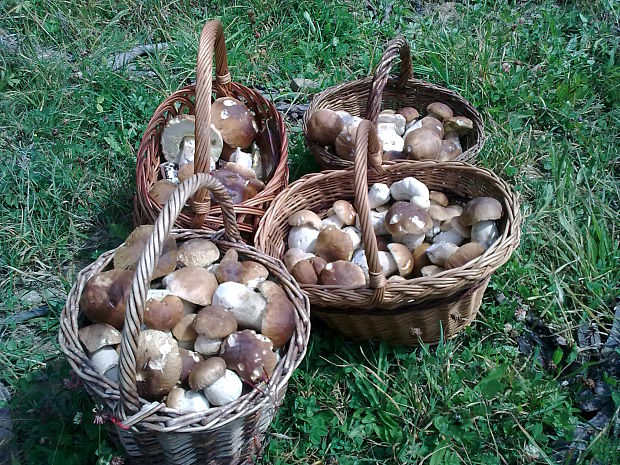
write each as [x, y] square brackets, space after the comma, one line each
[481, 209]
[403, 258]
[464, 254]
[345, 143]
[127, 255]
[344, 211]
[250, 355]
[249, 273]
[234, 121]
[215, 322]
[333, 244]
[163, 314]
[99, 335]
[105, 295]
[238, 183]
[184, 329]
[405, 218]
[439, 110]
[422, 144]
[279, 321]
[324, 126]
[193, 284]
[458, 125]
[409, 113]
[198, 252]
[342, 273]
[158, 364]
[177, 129]
[305, 218]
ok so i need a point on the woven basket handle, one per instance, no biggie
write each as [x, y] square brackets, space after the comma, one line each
[368, 153]
[395, 47]
[129, 401]
[211, 39]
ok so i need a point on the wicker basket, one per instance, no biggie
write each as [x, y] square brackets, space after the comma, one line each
[197, 100]
[406, 312]
[368, 96]
[151, 432]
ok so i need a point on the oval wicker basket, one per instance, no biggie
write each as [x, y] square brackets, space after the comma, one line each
[412, 311]
[368, 96]
[151, 432]
[197, 100]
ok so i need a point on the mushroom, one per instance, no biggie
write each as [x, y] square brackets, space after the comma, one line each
[242, 158]
[439, 198]
[161, 191]
[198, 253]
[186, 152]
[308, 271]
[431, 270]
[240, 182]
[345, 143]
[484, 232]
[158, 364]
[104, 297]
[248, 273]
[247, 306]
[396, 120]
[450, 150]
[455, 223]
[250, 355]
[342, 273]
[458, 125]
[440, 252]
[99, 335]
[185, 172]
[184, 331]
[186, 401]
[464, 254]
[355, 235]
[234, 121]
[212, 324]
[406, 218]
[386, 260]
[451, 235]
[306, 228]
[333, 244]
[189, 359]
[177, 129]
[378, 194]
[481, 209]
[159, 294]
[344, 212]
[402, 257]
[348, 119]
[293, 256]
[420, 259]
[409, 113]
[193, 284]
[324, 126]
[422, 144]
[128, 254]
[439, 110]
[169, 172]
[105, 361]
[220, 386]
[412, 190]
[278, 323]
[163, 314]
[390, 140]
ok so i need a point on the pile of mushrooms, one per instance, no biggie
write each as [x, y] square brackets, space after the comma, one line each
[404, 133]
[213, 328]
[235, 160]
[419, 233]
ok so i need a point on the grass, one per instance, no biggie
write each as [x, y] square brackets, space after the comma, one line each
[545, 76]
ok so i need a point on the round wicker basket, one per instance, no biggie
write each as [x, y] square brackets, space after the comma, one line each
[368, 96]
[197, 100]
[411, 311]
[150, 432]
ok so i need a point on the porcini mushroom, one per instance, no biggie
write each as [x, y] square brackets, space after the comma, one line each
[306, 228]
[104, 297]
[250, 355]
[413, 190]
[161, 191]
[234, 121]
[439, 110]
[193, 284]
[342, 273]
[198, 252]
[175, 131]
[158, 364]
[464, 254]
[212, 324]
[127, 255]
[324, 126]
[333, 244]
[220, 386]
[422, 144]
[186, 401]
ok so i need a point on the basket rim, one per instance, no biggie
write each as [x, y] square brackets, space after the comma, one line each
[174, 420]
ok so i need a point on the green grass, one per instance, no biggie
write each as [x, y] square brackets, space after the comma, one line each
[544, 74]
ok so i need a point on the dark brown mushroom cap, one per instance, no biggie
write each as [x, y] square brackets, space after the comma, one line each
[105, 295]
[162, 191]
[184, 329]
[465, 253]
[439, 110]
[409, 113]
[193, 284]
[422, 144]
[458, 125]
[240, 188]
[324, 126]
[234, 121]
[333, 244]
[127, 255]
[279, 321]
[189, 359]
[249, 273]
[206, 373]
[163, 314]
[345, 143]
[308, 271]
[215, 322]
[342, 273]
[405, 218]
[250, 355]
[481, 209]
[198, 252]
[158, 364]
[99, 335]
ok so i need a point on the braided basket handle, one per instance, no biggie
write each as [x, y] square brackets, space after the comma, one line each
[368, 153]
[211, 39]
[395, 47]
[129, 399]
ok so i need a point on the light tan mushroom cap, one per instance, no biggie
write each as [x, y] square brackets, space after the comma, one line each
[345, 212]
[198, 252]
[481, 209]
[305, 217]
[405, 218]
[403, 258]
[465, 253]
[422, 144]
[99, 335]
[127, 255]
[193, 284]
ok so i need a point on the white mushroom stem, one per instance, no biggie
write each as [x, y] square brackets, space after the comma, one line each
[439, 253]
[411, 241]
[332, 220]
[207, 347]
[451, 235]
[485, 233]
[169, 172]
[413, 190]
[104, 359]
[377, 221]
[186, 154]
[390, 140]
[242, 158]
[386, 260]
[378, 194]
[303, 237]
[247, 306]
[435, 229]
[355, 235]
[225, 390]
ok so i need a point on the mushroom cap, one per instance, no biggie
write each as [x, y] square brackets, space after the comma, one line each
[158, 364]
[439, 198]
[440, 252]
[409, 113]
[214, 322]
[432, 124]
[206, 373]
[392, 155]
[324, 126]
[105, 295]
[439, 110]
[198, 252]
[307, 271]
[450, 149]
[342, 273]
[431, 270]
[305, 218]
[465, 253]
[247, 306]
[189, 359]
[234, 121]
[207, 347]
[99, 335]
[403, 258]
[279, 321]
[405, 218]
[344, 211]
[250, 355]
[437, 212]
[186, 401]
[186, 171]
[294, 255]
[193, 284]
[481, 209]
[177, 129]
[333, 244]
[225, 390]
[249, 273]
[184, 329]
[128, 254]
[163, 314]
[162, 191]
[458, 125]
[239, 184]
[345, 143]
[420, 259]
[422, 144]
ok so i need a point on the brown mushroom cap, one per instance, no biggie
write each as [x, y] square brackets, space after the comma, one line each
[333, 244]
[433, 124]
[422, 144]
[198, 252]
[158, 364]
[481, 209]
[308, 271]
[420, 259]
[458, 125]
[305, 217]
[189, 359]
[250, 355]
[234, 121]
[127, 255]
[437, 212]
[248, 273]
[193, 284]
[206, 373]
[439, 197]
[105, 295]
[342, 273]
[184, 329]
[450, 149]
[294, 255]
[162, 191]
[403, 258]
[185, 172]
[431, 270]
[215, 322]
[99, 335]
[240, 187]
[439, 110]
[324, 126]
[344, 211]
[405, 218]
[409, 113]
[345, 143]
[279, 321]
[391, 155]
[163, 314]
[465, 253]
